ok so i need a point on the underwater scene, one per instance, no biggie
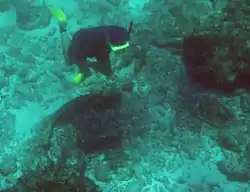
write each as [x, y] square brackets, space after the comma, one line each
[124, 96]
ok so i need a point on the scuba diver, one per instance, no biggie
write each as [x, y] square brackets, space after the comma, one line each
[91, 44]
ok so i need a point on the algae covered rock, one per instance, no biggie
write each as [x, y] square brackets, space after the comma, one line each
[30, 16]
[4, 5]
[233, 172]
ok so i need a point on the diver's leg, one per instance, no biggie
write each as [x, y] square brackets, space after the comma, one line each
[65, 42]
[103, 66]
[64, 36]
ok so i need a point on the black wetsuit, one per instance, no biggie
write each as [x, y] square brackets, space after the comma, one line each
[95, 43]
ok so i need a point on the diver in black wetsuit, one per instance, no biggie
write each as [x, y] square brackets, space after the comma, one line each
[96, 43]
[91, 43]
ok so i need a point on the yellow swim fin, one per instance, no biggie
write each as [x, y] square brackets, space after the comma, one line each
[77, 79]
[57, 12]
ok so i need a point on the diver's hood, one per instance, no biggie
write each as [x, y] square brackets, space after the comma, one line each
[119, 37]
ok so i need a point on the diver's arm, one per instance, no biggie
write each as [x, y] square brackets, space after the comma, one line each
[65, 42]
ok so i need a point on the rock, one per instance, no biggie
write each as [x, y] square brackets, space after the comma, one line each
[8, 165]
[31, 17]
[135, 186]
[125, 174]
[246, 155]
[214, 113]
[102, 173]
[228, 143]
[89, 185]
[233, 139]
[4, 5]
[203, 65]
[238, 174]
[3, 82]
[245, 103]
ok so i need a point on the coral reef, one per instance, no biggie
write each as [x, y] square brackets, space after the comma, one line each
[174, 117]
